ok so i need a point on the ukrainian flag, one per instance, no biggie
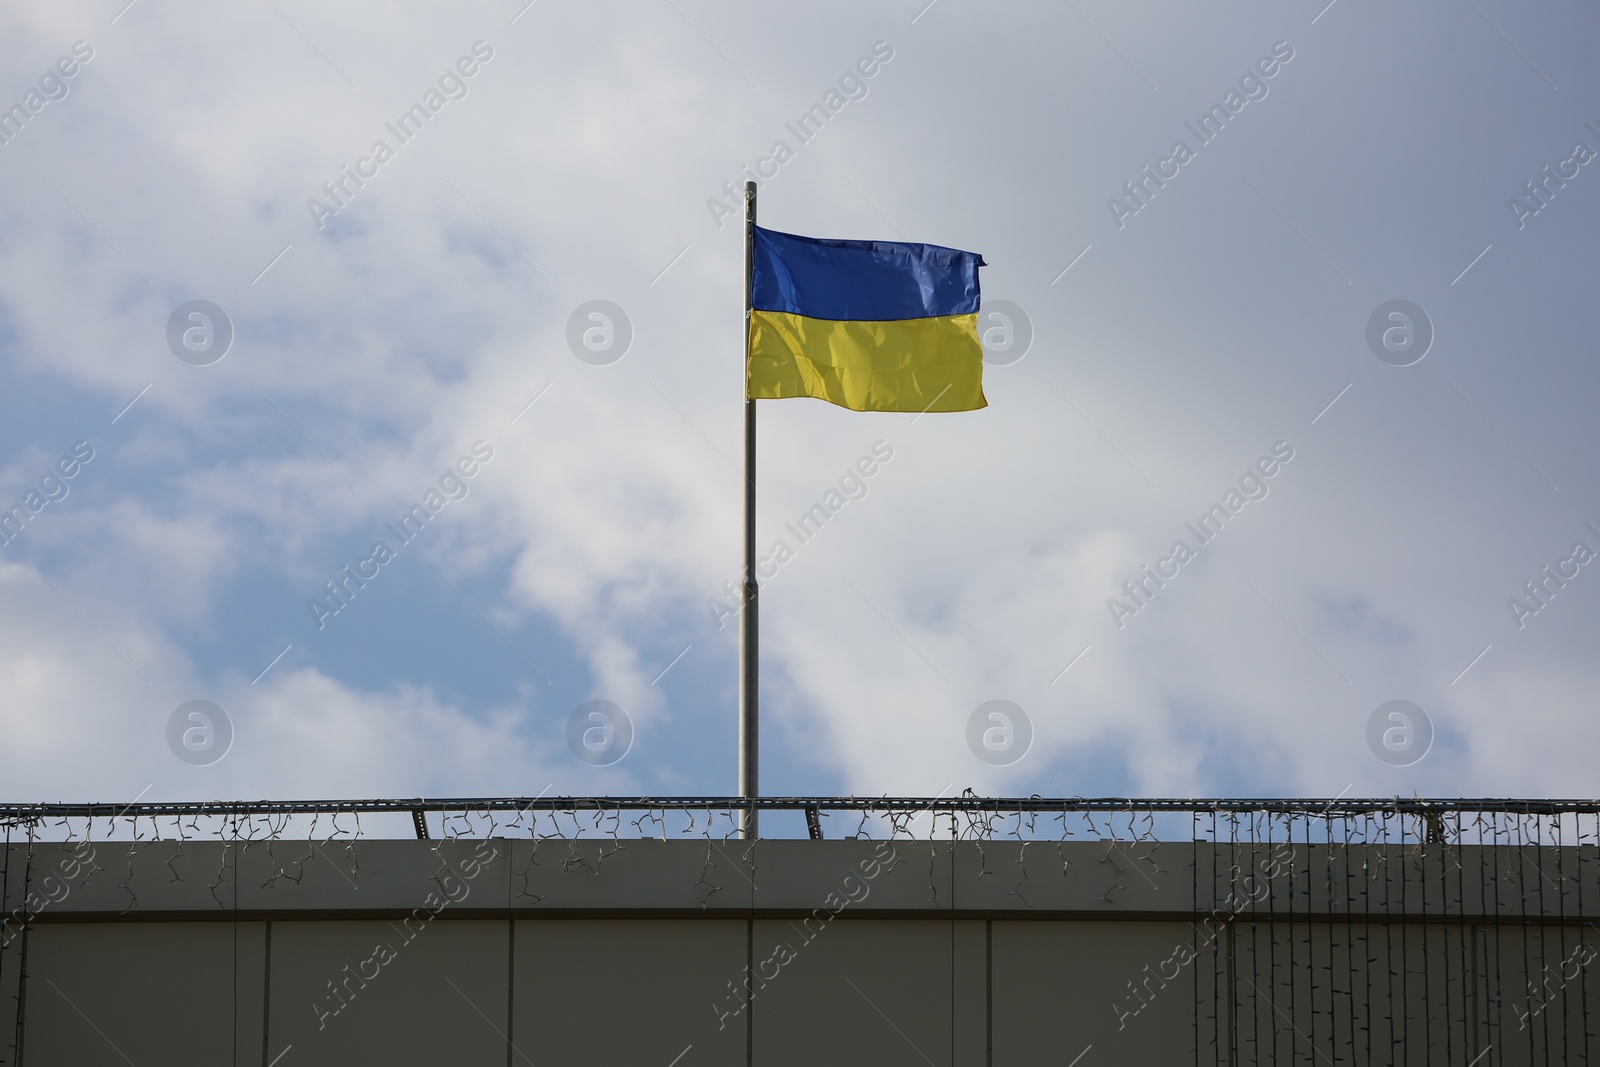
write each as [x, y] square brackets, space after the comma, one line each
[867, 325]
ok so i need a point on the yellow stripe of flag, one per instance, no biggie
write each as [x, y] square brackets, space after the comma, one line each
[923, 364]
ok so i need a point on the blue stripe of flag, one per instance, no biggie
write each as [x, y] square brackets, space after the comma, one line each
[861, 281]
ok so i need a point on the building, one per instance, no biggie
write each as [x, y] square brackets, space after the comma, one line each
[962, 931]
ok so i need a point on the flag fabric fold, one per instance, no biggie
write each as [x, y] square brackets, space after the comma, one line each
[866, 325]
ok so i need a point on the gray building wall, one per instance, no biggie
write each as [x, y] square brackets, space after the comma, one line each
[636, 951]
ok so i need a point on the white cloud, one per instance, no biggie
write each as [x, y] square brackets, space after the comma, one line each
[435, 306]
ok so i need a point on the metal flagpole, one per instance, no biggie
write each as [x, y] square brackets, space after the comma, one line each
[748, 690]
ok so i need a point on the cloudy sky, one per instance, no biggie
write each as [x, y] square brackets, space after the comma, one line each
[373, 321]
